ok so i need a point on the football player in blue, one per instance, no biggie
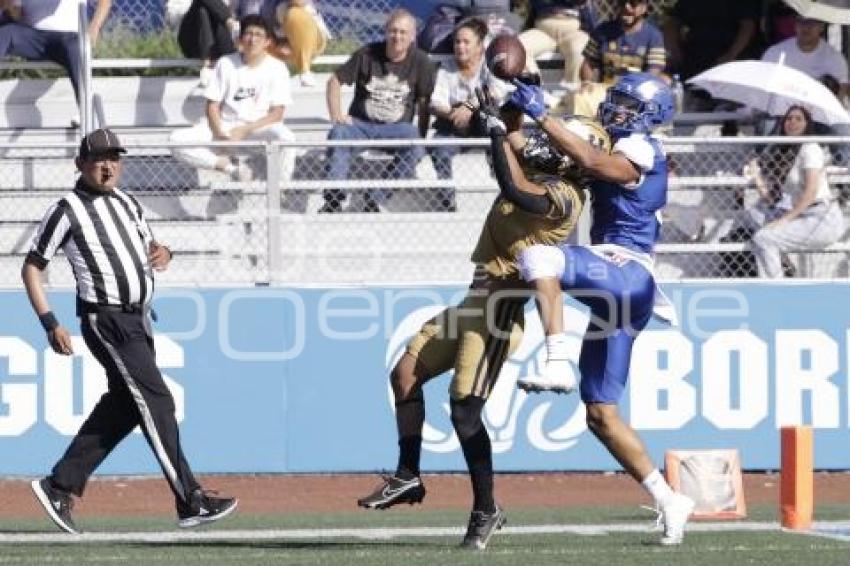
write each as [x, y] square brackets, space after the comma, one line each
[614, 275]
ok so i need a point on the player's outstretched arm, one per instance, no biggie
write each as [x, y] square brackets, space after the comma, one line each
[613, 167]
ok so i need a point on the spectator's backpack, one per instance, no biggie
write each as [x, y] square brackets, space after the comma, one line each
[436, 35]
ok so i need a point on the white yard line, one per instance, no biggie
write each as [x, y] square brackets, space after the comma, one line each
[839, 530]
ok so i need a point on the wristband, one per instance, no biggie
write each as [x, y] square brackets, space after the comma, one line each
[48, 321]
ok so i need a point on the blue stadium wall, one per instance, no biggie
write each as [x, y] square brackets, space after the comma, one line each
[295, 380]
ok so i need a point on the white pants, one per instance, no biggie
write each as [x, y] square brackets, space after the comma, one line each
[816, 228]
[561, 33]
[206, 158]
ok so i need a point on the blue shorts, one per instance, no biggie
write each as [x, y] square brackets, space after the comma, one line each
[620, 294]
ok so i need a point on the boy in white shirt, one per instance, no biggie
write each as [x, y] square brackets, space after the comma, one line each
[245, 101]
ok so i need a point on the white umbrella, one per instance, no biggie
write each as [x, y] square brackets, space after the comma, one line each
[832, 11]
[771, 88]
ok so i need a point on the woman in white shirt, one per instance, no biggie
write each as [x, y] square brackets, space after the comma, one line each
[804, 216]
[453, 100]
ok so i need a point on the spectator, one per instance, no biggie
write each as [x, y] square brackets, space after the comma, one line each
[559, 24]
[393, 80]
[245, 100]
[305, 36]
[48, 29]
[809, 53]
[206, 33]
[625, 44]
[453, 101]
[795, 210]
[699, 35]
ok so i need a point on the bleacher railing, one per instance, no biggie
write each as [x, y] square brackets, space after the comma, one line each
[269, 229]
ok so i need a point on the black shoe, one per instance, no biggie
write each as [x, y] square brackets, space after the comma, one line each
[330, 207]
[481, 527]
[58, 504]
[204, 508]
[393, 491]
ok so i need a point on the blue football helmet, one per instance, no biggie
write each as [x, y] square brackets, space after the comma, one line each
[637, 103]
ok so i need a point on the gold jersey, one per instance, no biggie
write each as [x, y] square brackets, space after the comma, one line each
[508, 229]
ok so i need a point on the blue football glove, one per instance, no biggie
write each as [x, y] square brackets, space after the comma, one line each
[529, 99]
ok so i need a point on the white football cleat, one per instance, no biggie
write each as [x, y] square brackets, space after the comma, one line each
[557, 376]
[674, 516]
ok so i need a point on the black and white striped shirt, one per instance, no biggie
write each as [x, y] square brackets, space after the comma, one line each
[106, 239]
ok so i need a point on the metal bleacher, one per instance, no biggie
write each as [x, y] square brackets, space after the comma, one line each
[267, 231]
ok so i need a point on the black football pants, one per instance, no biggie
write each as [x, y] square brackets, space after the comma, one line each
[137, 395]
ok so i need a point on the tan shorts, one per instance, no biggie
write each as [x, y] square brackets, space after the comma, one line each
[473, 340]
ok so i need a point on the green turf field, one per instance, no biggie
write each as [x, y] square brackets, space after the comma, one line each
[411, 537]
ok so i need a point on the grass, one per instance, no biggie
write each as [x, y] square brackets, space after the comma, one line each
[622, 547]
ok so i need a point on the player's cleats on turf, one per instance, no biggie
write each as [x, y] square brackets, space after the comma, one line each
[557, 376]
[57, 503]
[204, 507]
[481, 527]
[673, 517]
[393, 491]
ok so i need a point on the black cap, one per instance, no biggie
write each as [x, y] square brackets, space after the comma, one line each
[99, 142]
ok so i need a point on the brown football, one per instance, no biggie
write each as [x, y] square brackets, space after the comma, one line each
[505, 57]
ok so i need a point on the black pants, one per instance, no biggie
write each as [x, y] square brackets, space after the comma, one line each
[137, 395]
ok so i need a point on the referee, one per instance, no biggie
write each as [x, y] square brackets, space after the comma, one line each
[108, 242]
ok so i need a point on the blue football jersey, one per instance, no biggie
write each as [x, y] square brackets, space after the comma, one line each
[627, 216]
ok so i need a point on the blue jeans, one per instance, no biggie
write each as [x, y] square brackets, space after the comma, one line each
[404, 161]
[34, 44]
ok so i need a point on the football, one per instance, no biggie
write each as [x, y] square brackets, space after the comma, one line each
[505, 57]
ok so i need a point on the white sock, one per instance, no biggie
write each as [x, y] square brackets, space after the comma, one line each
[657, 487]
[557, 347]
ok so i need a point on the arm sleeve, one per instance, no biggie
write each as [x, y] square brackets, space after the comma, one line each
[427, 76]
[812, 156]
[637, 150]
[347, 72]
[535, 204]
[217, 88]
[50, 234]
[281, 90]
[440, 96]
[656, 57]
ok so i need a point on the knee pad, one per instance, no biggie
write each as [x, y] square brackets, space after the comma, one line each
[466, 416]
[536, 262]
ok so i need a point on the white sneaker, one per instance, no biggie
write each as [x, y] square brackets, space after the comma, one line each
[308, 79]
[673, 518]
[557, 376]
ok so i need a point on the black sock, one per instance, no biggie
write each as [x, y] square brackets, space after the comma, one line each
[475, 443]
[409, 450]
[410, 416]
[478, 455]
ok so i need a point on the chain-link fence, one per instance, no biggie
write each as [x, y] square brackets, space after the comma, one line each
[396, 217]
